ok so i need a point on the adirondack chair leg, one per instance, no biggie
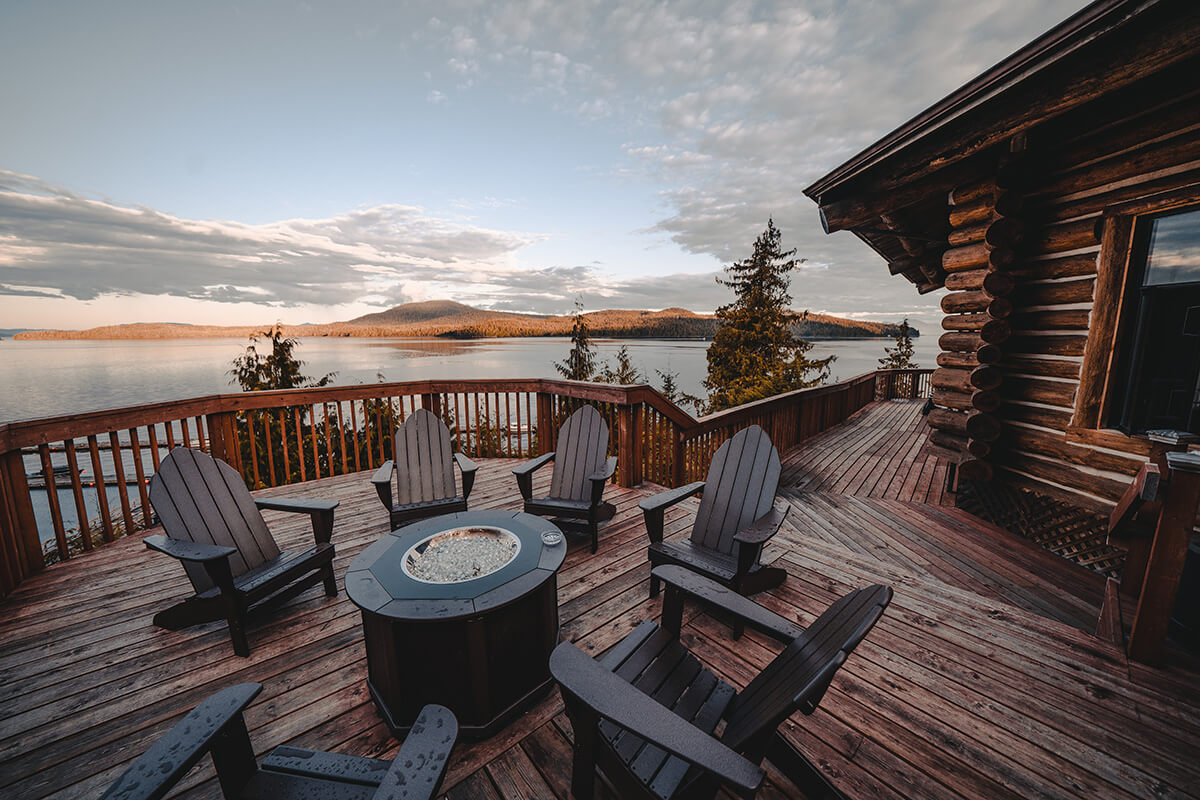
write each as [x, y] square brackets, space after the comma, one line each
[235, 614]
[593, 528]
[329, 580]
[192, 611]
[762, 579]
[655, 585]
[583, 755]
[233, 757]
[799, 770]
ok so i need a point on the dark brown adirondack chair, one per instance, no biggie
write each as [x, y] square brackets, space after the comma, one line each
[216, 726]
[216, 529]
[581, 468]
[736, 516]
[424, 471]
[645, 712]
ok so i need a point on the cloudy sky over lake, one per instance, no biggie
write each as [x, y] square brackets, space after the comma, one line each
[310, 162]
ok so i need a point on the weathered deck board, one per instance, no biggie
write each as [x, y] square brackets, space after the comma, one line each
[978, 682]
[875, 453]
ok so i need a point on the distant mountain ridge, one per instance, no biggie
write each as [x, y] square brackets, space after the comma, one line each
[455, 320]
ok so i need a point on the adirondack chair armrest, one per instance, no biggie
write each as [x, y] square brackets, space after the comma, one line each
[525, 472]
[319, 511]
[153, 774]
[421, 762]
[610, 697]
[681, 582]
[382, 480]
[654, 507]
[188, 551]
[467, 467]
[601, 477]
[763, 528]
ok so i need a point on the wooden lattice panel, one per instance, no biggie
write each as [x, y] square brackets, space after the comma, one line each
[1073, 533]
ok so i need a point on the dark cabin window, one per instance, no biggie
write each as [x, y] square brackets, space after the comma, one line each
[1162, 366]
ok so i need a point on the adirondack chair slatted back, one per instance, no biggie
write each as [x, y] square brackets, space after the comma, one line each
[424, 463]
[201, 499]
[798, 676]
[739, 489]
[581, 451]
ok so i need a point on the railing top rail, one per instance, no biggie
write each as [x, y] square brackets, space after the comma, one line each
[26, 433]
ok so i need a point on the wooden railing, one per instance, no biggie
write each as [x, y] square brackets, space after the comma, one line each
[281, 437]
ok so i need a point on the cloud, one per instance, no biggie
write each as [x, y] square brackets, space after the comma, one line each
[56, 243]
[735, 107]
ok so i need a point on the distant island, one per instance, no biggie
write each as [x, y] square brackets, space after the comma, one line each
[452, 320]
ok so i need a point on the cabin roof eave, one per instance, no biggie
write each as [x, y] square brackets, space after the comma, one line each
[1030, 61]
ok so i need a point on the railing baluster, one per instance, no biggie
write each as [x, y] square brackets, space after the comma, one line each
[152, 434]
[266, 417]
[60, 535]
[114, 442]
[139, 471]
[187, 438]
[253, 449]
[342, 439]
[299, 444]
[101, 493]
[85, 530]
[283, 441]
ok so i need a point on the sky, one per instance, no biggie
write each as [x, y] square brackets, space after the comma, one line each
[243, 163]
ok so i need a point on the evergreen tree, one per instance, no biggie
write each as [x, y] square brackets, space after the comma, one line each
[624, 373]
[754, 353]
[279, 370]
[901, 355]
[580, 363]
[669, 388]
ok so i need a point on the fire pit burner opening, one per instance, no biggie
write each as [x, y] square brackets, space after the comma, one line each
[460, 554]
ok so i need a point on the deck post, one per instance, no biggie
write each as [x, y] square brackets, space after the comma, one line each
[432, 402]
[677, 470]
[26, 547]
[629, 466]
[545, 423]
[222, 439]
[1167, 555]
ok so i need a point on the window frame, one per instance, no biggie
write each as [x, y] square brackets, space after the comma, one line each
[1118, 289]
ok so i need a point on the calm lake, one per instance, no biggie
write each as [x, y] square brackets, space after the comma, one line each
[42, 379]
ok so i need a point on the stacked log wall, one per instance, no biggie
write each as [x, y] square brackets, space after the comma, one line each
[985, 230]
[1084, 165]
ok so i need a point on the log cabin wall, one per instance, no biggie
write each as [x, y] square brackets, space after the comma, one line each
[984, 231]
[1062, 275]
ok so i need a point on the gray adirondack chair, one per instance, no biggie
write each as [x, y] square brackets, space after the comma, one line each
[217, 726]
[581, 468]
[423, 472]
[645, 712]
[736, 517]
[216, 529]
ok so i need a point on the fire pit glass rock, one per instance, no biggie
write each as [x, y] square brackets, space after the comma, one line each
[461, 554]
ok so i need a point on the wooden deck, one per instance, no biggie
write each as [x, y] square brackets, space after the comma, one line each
[972, 685]
[875, 453]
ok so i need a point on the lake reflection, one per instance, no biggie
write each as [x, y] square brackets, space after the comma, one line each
[41, 379]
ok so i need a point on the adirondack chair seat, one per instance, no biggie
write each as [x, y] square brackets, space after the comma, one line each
[276, 573]
[581, 470]
[720, 566]
[690, 691]
[216, 530]
[737, 516]
[217, 726]
[419, 482]
[646, 711]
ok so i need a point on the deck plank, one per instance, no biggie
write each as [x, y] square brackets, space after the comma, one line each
[981, 680]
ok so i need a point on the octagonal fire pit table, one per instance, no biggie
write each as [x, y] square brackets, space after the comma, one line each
[460, 610]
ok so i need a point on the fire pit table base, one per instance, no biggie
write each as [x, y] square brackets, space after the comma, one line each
[479, 647]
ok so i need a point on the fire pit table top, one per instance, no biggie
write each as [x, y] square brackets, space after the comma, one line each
[378, 582]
